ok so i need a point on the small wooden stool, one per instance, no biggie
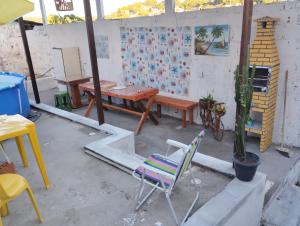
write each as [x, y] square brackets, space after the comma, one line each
[63, 101]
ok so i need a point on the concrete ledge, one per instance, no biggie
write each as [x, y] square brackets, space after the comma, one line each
[117, 148]
[215, 164]
[239, 201]
[283, 209]
[80, 119]
[236, 202]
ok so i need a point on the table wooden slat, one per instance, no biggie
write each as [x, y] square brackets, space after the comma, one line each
[89, 86]
[75, 81]
[133, 93]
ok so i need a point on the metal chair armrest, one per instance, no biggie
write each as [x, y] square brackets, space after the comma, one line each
[177, 144]
[165, 157]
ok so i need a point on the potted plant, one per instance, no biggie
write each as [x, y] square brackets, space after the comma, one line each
[219, 109]
[245, 163]
[207, 102]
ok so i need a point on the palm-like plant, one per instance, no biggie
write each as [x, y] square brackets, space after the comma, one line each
[243, 99]
[55, 19]
[216, 32]
[58, 19]
[202, 33]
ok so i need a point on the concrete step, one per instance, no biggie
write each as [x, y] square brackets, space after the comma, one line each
[115, 157]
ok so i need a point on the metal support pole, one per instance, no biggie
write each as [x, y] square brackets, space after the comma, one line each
[29, 61]
[43, 11]
[245, 41]
[246, 32]
[93, 58]
[100, 9]
[170, 6]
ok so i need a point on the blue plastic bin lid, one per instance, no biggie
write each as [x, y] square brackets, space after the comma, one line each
[10, 80]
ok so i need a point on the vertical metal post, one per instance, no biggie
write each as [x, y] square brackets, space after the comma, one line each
[246, 32]
[43, 11]
[170, 6]
[245, 41]
[29, 61]
[93, 58]
[100, 9]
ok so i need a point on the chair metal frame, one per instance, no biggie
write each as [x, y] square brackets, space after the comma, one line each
[185, 164]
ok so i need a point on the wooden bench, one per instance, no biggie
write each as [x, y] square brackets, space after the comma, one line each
[183, 105]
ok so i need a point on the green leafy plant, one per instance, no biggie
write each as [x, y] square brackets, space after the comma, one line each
[243, 99]
[208, 98]
[66, 19]
[216, 32]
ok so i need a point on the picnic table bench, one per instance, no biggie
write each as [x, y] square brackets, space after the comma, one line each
[183, 105]
[133, 94]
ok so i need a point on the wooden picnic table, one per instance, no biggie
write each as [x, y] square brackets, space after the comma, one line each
[88, 88]
[74, 89]
[134, 94]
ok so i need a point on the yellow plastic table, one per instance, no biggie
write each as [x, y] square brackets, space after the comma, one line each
[16, 126]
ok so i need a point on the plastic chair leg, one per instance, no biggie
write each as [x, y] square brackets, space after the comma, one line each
[4, 210]
[56, 101]
[34, 203]
[20, 144]
[38, 156]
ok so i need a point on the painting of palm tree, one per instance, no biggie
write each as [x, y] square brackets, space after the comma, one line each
[212, 40]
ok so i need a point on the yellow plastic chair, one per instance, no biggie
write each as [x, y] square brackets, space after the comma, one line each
[11, 186]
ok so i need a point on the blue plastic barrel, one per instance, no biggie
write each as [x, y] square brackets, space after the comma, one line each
[13, 95]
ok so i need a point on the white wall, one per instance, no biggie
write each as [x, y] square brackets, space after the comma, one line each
[10, 45]
[12, 55]
[209, 73]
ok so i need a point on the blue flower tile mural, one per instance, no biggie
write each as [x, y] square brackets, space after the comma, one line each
[157, 57]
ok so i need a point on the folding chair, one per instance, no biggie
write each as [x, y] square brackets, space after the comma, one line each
[162, 173]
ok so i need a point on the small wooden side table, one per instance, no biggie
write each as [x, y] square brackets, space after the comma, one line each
[74, 89]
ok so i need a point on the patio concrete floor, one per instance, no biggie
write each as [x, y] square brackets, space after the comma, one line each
[87, 191]
[152, 139]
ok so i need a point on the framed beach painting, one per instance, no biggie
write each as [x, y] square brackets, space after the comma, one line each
[212, 40]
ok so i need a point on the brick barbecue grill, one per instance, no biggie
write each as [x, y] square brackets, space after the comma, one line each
[264, 55]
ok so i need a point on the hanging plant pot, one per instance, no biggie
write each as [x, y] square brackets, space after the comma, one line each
[64, 5]
[210, 104]
[203, 104]
[245, 170]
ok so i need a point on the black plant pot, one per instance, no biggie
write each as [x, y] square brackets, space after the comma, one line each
[245, 170]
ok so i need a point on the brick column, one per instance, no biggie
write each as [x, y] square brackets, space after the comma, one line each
[263, 53]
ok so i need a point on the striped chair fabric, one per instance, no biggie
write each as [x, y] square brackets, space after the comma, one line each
[157, 163]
